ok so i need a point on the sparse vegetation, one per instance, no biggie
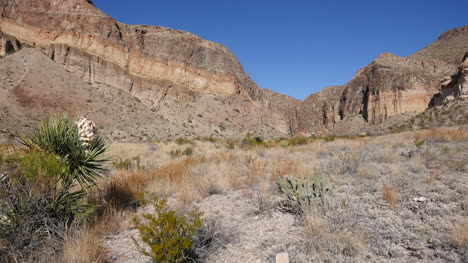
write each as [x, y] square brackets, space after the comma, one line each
[170, 237]
[460, 235]
[389, 194]
[305, 192]
[45, 187]
[337, 211]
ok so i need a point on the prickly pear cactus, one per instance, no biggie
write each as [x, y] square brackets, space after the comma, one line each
[305, 192]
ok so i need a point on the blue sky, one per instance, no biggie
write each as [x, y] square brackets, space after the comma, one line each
[299, 47]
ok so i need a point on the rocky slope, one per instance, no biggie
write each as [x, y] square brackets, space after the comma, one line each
[392, 86]
[173, 73]
[188, 86]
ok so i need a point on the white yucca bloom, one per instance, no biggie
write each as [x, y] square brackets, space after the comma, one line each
[86, 130]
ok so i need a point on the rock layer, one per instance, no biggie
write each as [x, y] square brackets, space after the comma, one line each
[390, 86]
[455, 86]
[177, 75]
[154, 64]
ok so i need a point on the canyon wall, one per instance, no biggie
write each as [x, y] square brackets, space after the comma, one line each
[392, 85]
[166, 69]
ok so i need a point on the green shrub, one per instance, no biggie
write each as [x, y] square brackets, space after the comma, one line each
[42, 170]
[177, 153]
[305, 192]
[170, 237]
[207, 139]
[297, 140]
[181, 141]
[419, 143]
[230, 144]
[253, 141]
[37, 210]
[40, 196]
[122, 164]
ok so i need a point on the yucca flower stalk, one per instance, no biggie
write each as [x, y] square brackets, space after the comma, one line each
[86, 131]
[77, 143]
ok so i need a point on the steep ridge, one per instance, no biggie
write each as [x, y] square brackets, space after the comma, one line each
[450, 46]
[389, 86]
[34, 87]
[155, 64]
[197, 87]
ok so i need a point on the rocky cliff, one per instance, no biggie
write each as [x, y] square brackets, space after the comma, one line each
[188, 86]
[455, 86]
[391, 86]
[161, 67]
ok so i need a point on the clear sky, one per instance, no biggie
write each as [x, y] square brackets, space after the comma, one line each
[299, 47]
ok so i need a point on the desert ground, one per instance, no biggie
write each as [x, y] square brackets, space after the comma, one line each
[393, 198]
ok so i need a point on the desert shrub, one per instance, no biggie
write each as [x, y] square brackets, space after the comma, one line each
[210, 236]
[122, 164]
[230, 144]
[253, 140]
[40, 195]
[181, 141]
[42, 170]
[419, 143]
[389, 194]
[305, 192]
[460, 235]
[350, 159]
[30, 221]
[177, 153]
[170, 237]
[297, 140]
[207, 139]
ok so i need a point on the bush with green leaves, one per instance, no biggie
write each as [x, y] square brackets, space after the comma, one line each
[303, 193]
[44, 186]
[169, 237]
[253, 140]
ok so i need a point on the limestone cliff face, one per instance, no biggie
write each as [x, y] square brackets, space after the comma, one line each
[392, 85]
[455, 86]
[152, 63]
[170, 71]
[67, 29]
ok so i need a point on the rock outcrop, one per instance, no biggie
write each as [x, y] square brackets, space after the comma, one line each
[157, 65]
[455, 86]
[391, 85]
[191, 86]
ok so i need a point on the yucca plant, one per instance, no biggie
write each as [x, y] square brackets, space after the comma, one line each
[61, 137]
[40, 194]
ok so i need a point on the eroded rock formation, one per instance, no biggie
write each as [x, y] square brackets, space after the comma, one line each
[455, 86]
[178, 76]
[154, 64]
[392, 85]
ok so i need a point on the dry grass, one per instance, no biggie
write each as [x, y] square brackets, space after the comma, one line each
[177, 171]
[389, 194]
[443, 134]
[286, 166]
[120, 190]
[214, 169]
[84, 246]
[329, 240]
[460, 235]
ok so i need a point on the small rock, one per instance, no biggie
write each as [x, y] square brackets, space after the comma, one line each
[420, 199]
[282, 257]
